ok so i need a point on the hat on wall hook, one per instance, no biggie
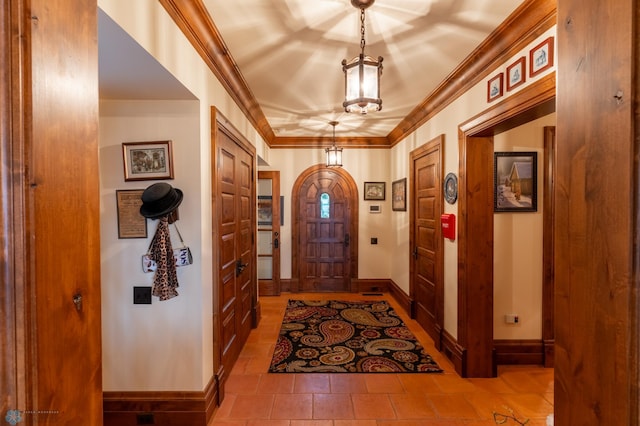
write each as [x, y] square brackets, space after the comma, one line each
[160, 199]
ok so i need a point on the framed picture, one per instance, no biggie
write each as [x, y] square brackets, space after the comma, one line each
[516, 74]
[515, 182]
[541, 57]
[494, 87]
[131, 224]
[265, 210]
[147, 160]
[374, 190]
[399, 195]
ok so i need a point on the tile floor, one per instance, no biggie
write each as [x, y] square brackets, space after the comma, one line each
[255, 397]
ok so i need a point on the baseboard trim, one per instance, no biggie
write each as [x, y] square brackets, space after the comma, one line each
[456, 353]
[401, 297]
[160, 407]
[519, 352]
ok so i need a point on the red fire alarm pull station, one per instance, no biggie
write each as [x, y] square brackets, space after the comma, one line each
[448, 225]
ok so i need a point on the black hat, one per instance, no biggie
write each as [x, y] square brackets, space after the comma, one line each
[159, 200]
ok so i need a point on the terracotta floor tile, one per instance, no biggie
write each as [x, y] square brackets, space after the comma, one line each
[368, 406]
[312, 383]
[222, 412]
[416, 406]
[327, 406]
[251, 407]
[383, 383]
[263, 422]
[311, 423]
[486, 403]
[454, 406]
[419, 383]
[215, 422]
[347, 383]
[452, 383]
[292, 406]
[245, 383]
[529, 405]
[355, 423]
[276, 383]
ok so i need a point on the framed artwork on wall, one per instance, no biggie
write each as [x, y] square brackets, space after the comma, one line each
[131, 224]
[494, 87]
[515, 182]
[516, 74]
[147, 160]
[374, 190]
[541, 57]
[399, 195]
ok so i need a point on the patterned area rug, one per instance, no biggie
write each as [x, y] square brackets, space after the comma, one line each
[349, 337]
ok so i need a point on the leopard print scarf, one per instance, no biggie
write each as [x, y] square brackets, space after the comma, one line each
[165, 281]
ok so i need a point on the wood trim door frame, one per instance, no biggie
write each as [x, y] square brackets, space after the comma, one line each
[295, 220]
[220, 124]
[475, 210]
[272, 287]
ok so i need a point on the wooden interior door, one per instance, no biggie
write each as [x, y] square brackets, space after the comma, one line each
[269, 233]
[324, 228]
[235, 294]
[427, 258]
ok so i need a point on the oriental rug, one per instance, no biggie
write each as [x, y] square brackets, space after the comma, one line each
[332, 336]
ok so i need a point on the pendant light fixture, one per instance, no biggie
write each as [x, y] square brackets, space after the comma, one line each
[362, 74]
[334, 154]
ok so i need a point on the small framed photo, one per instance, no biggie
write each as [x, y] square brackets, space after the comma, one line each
[541, 57]
[147, 160]
[494, 87]
[399, 195]
[515, 182]
[374, 190]
[516, 74]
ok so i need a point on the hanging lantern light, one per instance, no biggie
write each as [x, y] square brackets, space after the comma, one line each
[334, 154]
[362, 74]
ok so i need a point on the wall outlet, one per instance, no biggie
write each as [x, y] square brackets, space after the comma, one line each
[511, 319]
[374, 240]
[142, 295]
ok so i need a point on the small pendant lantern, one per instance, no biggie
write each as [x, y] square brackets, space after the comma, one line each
[334, 154]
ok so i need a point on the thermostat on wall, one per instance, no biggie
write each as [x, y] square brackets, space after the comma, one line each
[375, 208]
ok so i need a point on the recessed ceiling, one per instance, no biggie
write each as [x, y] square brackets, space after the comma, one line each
[290, 53]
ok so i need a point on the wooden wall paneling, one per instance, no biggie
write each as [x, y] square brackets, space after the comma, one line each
[65, 192]
[16, 286]
[596, 213]
[548, 254]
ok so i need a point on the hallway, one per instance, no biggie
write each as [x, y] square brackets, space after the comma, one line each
[254, 397]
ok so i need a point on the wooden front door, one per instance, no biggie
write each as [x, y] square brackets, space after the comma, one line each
[427, 259]
[235, 294]
[325, 218]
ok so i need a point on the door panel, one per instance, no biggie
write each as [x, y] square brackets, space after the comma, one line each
[326, 215]
[427, 263]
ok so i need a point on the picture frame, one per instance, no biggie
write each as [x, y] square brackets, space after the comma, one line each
[515, 181]
[495, 87]
[399, 195]
[147, 160]
[374, 191]
[131, 224]
[541, 57]
[265, 210]
[516, 74]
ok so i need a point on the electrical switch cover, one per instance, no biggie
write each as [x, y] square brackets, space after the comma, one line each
[142, 295]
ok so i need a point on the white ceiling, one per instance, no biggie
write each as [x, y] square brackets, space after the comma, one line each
[290, 54]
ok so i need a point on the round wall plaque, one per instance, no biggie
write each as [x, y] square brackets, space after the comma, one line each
[451, 188]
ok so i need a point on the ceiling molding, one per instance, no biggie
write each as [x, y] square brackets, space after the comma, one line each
[323, 142]
[530, 20]
[194, 21]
